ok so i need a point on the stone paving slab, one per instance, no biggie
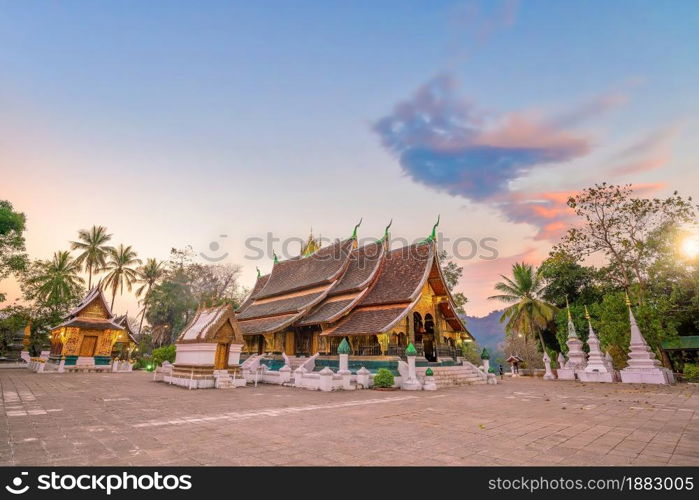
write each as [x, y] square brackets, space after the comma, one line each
[126, 419]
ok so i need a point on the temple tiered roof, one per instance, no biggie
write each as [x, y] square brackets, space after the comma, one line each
[348, 290]
[215, 324]
[92, 312]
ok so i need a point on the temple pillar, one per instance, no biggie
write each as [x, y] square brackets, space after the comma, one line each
[410, 327]
[314, 343]
[289, 345]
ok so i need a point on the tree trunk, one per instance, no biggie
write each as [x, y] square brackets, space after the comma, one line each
[89, 279]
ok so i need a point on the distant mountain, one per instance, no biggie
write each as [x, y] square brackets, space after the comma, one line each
[488, 330]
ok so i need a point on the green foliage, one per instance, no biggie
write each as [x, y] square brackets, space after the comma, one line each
[93, 249]
[471, 352]
[623, 228]
[565, 278]
[53, 286]
[120, 269]
[690, 372]
[162, 354]
[184, 286]
[13, 319]
[452, 273]
[144, 363]
[383, 378]
[13, 258]
[527, 314]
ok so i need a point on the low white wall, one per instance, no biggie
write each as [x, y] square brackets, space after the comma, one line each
[195, 354]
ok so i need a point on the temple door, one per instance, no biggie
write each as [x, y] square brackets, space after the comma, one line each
[87, 348]
[221, 359]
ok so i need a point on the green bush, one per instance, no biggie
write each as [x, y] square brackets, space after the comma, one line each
[143, 363]
[383, 378]
[162, 354]
[691, 372]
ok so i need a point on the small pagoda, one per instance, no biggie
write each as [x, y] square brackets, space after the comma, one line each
[208, 351]
[86, 337]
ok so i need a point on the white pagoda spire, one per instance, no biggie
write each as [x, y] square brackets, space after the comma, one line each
[643, 366]
[576, 356]
[597, 369]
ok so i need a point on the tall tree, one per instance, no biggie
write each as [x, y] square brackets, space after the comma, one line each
[54, 284]
[452, 274]
[149, 274]
[528, 314]
[13, 258]
[93, 249]
[622, 228]
[121, 270]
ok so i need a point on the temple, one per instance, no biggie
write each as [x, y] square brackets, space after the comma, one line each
[86, 337]
[379, 299]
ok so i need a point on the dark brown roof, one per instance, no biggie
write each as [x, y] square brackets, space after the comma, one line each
[94, 293]
[259, 285]
[403, 274]
[364, 262]
[280, 306]
[326, 312]
[369, 321]
[266, 325]
[321, 267]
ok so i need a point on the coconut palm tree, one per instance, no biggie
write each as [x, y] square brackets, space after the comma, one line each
[57, 280]
[93, 249]
[148, 275]
[121, 270]
[527, 313]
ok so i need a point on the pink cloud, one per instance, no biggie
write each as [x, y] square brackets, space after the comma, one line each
[650, 153]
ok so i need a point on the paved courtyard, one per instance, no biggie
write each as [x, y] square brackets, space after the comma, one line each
[126, 419]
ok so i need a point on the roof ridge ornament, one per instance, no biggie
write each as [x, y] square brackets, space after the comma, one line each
[433, 235]
[259, 274]
[276, 259]
[385, 231]
[354, 233]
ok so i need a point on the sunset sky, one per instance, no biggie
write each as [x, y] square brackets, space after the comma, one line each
[175, 122]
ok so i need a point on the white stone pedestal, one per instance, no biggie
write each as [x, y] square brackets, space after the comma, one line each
[412, 383]
[430, 384]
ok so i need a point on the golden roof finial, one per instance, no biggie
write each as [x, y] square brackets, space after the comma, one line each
[587, 314]
[568, 308]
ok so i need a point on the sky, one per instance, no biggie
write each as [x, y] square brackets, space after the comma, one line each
[179, 123]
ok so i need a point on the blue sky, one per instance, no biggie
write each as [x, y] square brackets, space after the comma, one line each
[174, 122]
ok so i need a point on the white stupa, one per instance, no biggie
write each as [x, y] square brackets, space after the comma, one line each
[597, 369]
[643, 367]
[576, 356]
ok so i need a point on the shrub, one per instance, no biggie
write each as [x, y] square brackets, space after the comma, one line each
[143, 363]
[162, 354]
[383, 378]
[691, 372]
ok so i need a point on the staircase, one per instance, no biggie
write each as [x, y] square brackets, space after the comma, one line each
[222, 380]
[445, 376]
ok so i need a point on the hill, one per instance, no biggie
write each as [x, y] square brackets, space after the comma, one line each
[488, 330]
